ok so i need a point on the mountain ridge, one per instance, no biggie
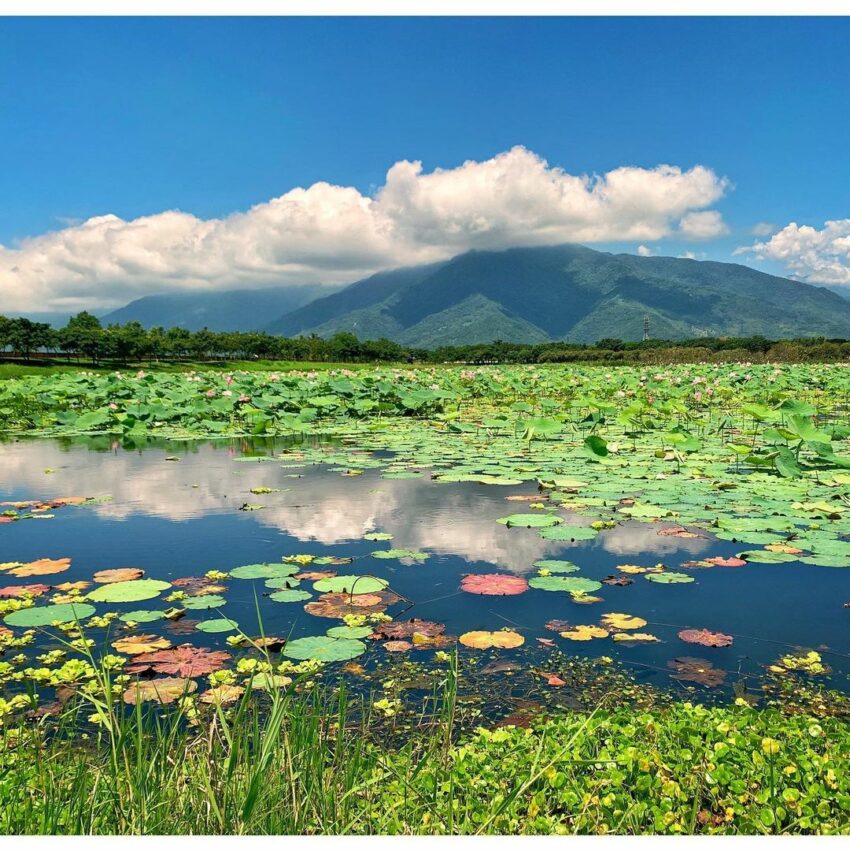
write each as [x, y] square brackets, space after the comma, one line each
[570, 293]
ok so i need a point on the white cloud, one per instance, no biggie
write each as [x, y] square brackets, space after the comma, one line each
[333, 234]
[817, 256]
[763, 229]
[644, 251]
[687, 255]
[708, 224]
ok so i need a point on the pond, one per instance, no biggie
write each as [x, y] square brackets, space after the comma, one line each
[180, 509]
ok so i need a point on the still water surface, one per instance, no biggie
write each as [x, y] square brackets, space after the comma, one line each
[181, 517]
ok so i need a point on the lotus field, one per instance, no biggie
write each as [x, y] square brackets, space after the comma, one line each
[560, 599]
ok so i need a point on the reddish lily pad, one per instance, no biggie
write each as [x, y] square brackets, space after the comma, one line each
[705, 637]
[24, 590]
[404, 629]
[186, 660]
[719, 561]
[700, 671]
[493, 584]
[340, 604]
[118, 574]
[42, 567]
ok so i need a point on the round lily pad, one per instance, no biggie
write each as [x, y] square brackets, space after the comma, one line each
[349, 631]
[414, 554]
[128, 592]
[290, 595]
[554, 565]
[46, 615]
[571, 584]
[668, 578]
[351, 584]
[324, 648]
[282, 582]
[141, 616]
[569, 533]
[217, 625]
[263, 571]
[205, 601]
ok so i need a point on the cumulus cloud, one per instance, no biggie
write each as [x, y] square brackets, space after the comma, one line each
[334, 234]
[708, 224]
[817, 256]
[763, 229]
[644, 251]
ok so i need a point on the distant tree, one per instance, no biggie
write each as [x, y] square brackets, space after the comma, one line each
[25, 336]
[83, 335]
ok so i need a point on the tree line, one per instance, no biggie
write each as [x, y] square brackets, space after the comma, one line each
[84, 338]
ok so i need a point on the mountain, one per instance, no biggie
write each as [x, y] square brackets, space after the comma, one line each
[231, 310]
[571, 293]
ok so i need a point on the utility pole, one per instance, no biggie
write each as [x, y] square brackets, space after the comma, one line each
[646, 327]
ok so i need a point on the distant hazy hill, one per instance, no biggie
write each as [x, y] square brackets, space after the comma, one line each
[231, 310]
[573, 293]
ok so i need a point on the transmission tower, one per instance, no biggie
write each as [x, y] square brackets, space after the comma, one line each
[645, 327]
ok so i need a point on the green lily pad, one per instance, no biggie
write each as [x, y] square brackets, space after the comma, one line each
[767, 557]
[282, 582]
[46, 615]
[263, 571]
[323, 648]
[570, 584]
[414, 554]
[205, 601]
[554, 565]
[290, 595]
[350, 584]
[350, 631]
[217, 625]
[569, 533]
[668, 578]
[128, 592]
[141, 616]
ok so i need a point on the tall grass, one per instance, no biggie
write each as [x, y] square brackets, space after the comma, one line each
[319, 759]
[292, 762]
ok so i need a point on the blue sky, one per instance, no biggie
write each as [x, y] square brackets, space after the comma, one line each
[133, 117]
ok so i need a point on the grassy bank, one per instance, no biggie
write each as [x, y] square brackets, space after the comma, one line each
[19, 369]
[310, 762]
